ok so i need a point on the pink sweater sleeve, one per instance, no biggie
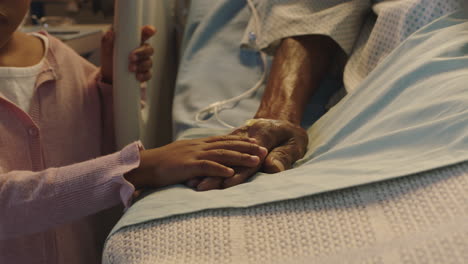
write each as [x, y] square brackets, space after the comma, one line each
[35, 201]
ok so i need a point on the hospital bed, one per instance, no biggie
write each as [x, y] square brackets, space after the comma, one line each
[152, 122]
[357, 208]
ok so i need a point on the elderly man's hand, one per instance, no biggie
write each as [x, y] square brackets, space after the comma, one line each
[285, 141]
[299, 65]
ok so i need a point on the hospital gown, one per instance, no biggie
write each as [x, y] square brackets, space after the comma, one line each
[215, 68]
[366, 37]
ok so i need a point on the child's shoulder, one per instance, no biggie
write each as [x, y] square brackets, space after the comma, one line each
[61, 53]
[55, 45]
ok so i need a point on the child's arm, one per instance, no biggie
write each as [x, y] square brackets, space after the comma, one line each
[36, 201]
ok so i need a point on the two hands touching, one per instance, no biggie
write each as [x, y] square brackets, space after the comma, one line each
[297, 69]
[210, 163]
[183, 160]
[286, 143]
[224, 161]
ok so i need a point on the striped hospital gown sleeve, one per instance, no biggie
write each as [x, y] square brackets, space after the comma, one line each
[279, 19]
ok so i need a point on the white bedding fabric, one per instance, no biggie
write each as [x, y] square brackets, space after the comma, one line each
[410, 116]
[419, 219]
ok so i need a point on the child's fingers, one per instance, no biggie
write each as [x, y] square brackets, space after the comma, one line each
[230, 158]
[144, 77]
[141, 66]
[239, 146]
[107, 41]
[210, 183]
[147, 32]
[209, 169]
[142, 53]
[228, 138]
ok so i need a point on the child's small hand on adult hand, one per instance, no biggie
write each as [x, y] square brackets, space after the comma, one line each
[183, 160]
[139, 60]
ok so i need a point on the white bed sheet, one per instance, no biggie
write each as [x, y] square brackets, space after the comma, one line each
[411, 115]
[418, 219]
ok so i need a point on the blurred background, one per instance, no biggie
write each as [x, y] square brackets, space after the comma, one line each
[81, 24]
[82, 11]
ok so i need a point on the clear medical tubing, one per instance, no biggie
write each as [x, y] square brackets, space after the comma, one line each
[217, 107]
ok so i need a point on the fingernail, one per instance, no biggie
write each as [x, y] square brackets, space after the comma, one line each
[254, 158]
[264, 150]
[231, 171]
[279, 165]
[253, 140]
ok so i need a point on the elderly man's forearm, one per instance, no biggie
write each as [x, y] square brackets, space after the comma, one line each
[299, 66]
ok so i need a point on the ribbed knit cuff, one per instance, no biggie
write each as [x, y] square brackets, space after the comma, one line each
[129, 155]
[91, 186]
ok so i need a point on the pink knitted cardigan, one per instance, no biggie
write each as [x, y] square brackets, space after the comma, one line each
[54, 179]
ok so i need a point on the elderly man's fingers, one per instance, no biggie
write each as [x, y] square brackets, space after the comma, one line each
[280, 159]
[269, 133]
[260, 132]
[241, 176]
[283, 157]
[210, 183]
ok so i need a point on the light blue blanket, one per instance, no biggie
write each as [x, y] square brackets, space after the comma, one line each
[409, 116]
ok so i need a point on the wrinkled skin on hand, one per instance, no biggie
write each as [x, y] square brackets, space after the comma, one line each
[285, 142]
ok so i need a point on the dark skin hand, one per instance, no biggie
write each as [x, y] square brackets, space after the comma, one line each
[186, 159]
[299, 66]
[140, 61]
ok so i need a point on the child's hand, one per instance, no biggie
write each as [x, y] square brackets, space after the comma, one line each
[139, 60]
[188, 159]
